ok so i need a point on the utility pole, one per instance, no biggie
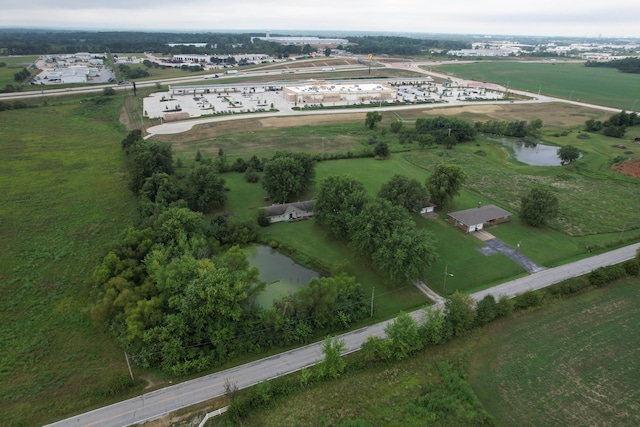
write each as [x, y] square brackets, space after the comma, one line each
[444, 284]
[129, 366]
[372, 293]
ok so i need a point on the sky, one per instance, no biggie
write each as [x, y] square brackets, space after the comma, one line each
[587, 18]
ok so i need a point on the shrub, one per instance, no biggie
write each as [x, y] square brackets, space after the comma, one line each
[528, 299]
[505, 306]
[632, 267]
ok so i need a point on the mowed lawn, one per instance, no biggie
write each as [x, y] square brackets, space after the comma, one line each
[63, 198]
[14, 64]
[601, 86]
[573, 363]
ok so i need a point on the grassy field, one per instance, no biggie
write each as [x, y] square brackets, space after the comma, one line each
[14, 65]
[602, 86]
[573, 363]
[63, 199]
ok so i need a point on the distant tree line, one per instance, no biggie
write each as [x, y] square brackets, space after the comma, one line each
[35, 42]
[626, 65]
[393, 45]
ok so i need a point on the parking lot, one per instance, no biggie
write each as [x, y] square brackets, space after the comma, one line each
[183, 102]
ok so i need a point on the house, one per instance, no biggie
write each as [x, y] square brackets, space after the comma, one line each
[476, 218]
[290, 211]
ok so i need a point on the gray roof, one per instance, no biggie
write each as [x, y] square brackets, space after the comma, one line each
[275, 210]
[479, 215]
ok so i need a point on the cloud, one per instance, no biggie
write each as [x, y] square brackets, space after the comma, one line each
[544, 17]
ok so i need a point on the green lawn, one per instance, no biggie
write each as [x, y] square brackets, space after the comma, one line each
[63, 199]
[14, 65]
[602, 86]
[574, 362]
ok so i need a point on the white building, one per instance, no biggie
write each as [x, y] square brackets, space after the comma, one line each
[325, 93]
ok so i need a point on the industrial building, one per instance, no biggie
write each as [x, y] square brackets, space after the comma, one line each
[328, 92]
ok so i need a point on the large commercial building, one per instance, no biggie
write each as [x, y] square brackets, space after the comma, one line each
[312, 41]
[328, 92]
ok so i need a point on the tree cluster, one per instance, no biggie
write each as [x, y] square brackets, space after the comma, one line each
[448, 131]
[626, 65]
[377, 228]
[287, 175]
[615, 126]
[21, 75]
[517, 128]
[173, 293]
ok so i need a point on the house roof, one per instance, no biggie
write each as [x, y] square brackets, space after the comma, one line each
[479, 215]
[275, 210]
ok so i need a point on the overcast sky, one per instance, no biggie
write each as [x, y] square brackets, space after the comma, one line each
[590, 18]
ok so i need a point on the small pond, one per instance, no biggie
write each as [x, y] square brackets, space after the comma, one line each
[282, 275]
[529, 153]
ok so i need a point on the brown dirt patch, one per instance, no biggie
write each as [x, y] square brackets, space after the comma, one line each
[553, 115]
[630, 167]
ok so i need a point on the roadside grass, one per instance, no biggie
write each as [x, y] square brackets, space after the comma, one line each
[14, 64]
[601, 86]
[570, 362]
[64, 198]
[573, 362]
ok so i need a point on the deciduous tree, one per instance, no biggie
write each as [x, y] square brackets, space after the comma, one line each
[405, 192]
[538, 206]
[445, 182]
[340, 199]
[568, 154]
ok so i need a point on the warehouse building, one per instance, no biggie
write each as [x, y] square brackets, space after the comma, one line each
[326, 93]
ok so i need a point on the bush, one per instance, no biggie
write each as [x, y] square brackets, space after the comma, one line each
[528, 299]
[632, 267]
[263, 218]
[603, 275]
[505, 306]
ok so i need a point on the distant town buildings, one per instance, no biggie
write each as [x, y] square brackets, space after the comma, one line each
[313, 41]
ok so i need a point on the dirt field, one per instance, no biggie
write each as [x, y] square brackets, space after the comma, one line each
[630, 167]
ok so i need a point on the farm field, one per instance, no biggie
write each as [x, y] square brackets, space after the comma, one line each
[572, 363]
[601, 86]
[64, 198]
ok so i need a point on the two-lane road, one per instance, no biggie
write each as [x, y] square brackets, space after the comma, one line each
[161, 402]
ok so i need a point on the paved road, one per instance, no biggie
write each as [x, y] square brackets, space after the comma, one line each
[161, 402]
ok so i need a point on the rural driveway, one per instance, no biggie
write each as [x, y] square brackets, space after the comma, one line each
[494, 246]
[161, 402]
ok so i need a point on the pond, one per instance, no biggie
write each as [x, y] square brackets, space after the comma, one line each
[530, 153]
[282, 275]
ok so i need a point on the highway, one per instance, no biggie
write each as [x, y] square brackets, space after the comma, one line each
[160, 402]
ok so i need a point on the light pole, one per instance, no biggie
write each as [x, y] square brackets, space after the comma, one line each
[446, 273]
[571, 96]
